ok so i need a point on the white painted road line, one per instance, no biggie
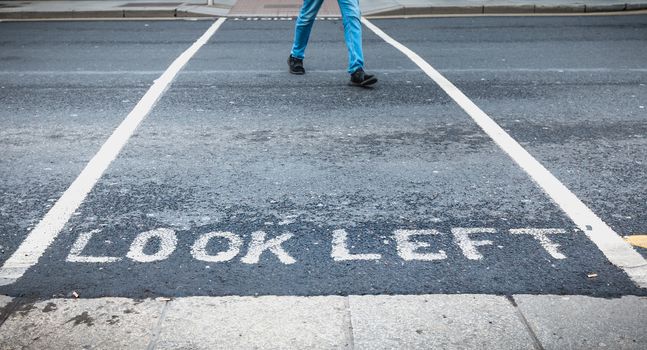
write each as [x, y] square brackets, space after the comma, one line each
[619, 252]
[42, 236]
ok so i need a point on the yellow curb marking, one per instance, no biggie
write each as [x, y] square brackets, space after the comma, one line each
[637, 240]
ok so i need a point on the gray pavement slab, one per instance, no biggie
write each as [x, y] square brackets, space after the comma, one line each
[437, 322]
[574, 8]
[256, 323]
[489, 9]
[95, 6]
[112, 9]
[579, 322]
[289, 8]
[327, 322]
[107, 323]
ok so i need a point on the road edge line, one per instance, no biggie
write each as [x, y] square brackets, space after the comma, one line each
[49, 227]
[617, 251]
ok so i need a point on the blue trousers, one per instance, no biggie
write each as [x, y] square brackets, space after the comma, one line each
[352, 30]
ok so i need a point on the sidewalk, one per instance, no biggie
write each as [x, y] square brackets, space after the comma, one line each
[113, 9]
[327, 322]
[438, 7]
[289, 8]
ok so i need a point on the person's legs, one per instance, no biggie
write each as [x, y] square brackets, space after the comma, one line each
[304, 26]
[351, 18]
[352, 33]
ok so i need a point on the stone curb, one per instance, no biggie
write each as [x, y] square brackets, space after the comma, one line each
[393, 11]
[504, 9]
[109, 14]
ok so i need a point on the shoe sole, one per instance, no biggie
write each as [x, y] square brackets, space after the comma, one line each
[365, 83]
[297, 73]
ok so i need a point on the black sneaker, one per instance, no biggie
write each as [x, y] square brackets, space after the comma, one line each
[296, 65]
[360, 78]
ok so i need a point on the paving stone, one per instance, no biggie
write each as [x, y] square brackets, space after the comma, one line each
[280, 8]
[580, 322]
[605, 7]
[437, 322]
[149, 13]
[107, 323]
[267, 322]
[441, 10]
[636, 6]
[575, 8]
[515, 8]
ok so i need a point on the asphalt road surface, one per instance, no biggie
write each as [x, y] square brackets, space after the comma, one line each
[246, 180]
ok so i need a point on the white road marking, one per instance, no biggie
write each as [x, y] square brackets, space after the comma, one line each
[407, 249]
[42, 236]
[79, 245]
[468, 245]
[167, 244]
[340, 251]
[199, 249]
[258, 245]
[541, 235]
[619, 252]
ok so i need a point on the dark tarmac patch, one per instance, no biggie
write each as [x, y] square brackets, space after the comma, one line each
[50, 307]
[83, 318]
